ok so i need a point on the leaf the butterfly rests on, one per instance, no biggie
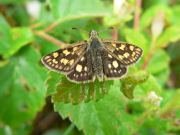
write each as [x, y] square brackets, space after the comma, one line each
[86, 61]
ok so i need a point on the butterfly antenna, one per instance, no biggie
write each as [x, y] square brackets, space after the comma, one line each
[79, 29]
[107, 29]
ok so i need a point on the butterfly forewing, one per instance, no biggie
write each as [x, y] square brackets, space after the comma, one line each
[63, 60]
[82, 71]
[112, 66]
[125, 52]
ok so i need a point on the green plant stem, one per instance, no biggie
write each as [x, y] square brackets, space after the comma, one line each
[137, 14]
[69, 129]
[44, 35]
[148, 57]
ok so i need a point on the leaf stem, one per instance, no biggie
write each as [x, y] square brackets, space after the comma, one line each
[114, 33]
[52, 26]
[137, 14]
[44, 35]
[150, 54]
[33, 26]
[147, 59]
[69, 129]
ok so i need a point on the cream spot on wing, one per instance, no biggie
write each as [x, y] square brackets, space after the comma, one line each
[75, 48]
[46, 57]
[79, 68]
[115, 64]
[78, 53]
[109, 55]
[56, 66]
[113, 44]
[66, 52]
[131, 60]
[49, 60]
[138, 49]
[109, 66]
[55, 54]
[85, 68]
[115, 71]
[133, 54]
[131, 48]
[122, 46]
[55, 61]
[60, 67]
[126, 55]
[120, 56]
[138, 52]
[82, 58]
[71, 61]
[65, 61]
[62, 60]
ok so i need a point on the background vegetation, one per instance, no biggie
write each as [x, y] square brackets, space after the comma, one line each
[33, 101]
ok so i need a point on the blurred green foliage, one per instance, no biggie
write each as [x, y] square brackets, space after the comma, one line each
[145, 102]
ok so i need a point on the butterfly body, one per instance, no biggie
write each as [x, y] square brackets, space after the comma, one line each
[86, 61]
[96, 51]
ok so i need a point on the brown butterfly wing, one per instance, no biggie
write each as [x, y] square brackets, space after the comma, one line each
[125, 52]
[63, 60]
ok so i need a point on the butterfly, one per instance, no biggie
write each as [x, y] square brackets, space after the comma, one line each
[85, 61]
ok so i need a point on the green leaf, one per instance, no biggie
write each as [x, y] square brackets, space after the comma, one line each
[12, 1]
[66, 91]
[160, 59]
[143, 89]
[54, 79]
[21, 36]
[171, 34]
[176, 18]
[148, 15]
[168, 104]
[13, 39]
[67, 9]
[105, 117]
[23, 89]
[159, 66]
[5, 36]
[130, 82]
[159, 125]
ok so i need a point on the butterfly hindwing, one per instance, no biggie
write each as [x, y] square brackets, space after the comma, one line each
[125, 52]
[112, 67]
[63, 60]
[82, 71]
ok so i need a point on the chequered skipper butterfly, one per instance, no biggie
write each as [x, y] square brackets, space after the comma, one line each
[87, 60]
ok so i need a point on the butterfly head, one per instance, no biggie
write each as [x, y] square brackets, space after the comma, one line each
[93, 34]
